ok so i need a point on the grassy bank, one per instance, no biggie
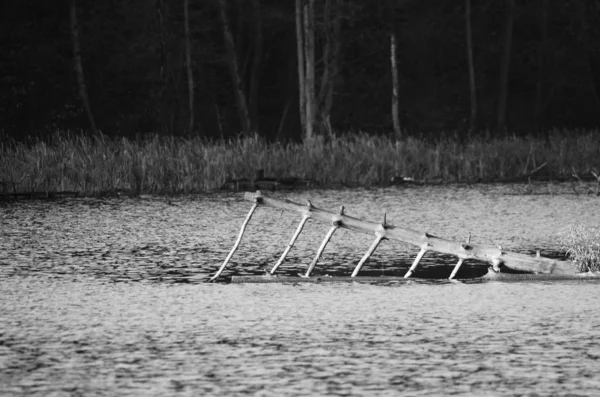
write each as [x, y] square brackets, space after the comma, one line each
[91, 165]
[582, 245]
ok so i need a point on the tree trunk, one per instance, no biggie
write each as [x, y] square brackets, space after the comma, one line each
[291, 85]
[395, 87]
[326, 52]
[234, 70]
[472, 87]
[309, 57]
[239, 33]
[163, 47]
[255, 75]
[331, 54]
[504, 70]
[79, 67]
[539, 89]
[188, 59]
[282, 120]
[161, 109]
[591, 52]
[301, 63]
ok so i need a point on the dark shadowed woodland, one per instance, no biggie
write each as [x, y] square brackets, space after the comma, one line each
[165, 96]
[216, 69]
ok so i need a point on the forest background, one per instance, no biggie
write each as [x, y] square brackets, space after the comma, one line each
[218, 68]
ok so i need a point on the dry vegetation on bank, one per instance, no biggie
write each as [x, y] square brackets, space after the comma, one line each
[92, 165]
[582, 245]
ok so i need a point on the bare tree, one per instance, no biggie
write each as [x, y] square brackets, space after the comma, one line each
[234, 69]
[78, 65]
[159, 5]
[253, 97]
[188, 61]
[301, 74]
[309, 58]
[316, 107]
[331, 54]
[539, 88]
[472, 86]
[504, 69]
[395, 87]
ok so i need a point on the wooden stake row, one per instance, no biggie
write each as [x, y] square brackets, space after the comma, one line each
[425, 241]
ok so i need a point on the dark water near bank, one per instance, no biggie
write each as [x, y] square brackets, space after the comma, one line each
[105, 297]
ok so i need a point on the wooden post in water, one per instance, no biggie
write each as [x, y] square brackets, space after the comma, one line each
[379, 236]
[292, 241]
[460, 262]
[416, 262]
[425, 241]
[257, 201]
[335, 226]
[455, 270]
[367, 255]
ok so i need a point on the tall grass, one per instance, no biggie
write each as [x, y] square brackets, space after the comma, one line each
[91, 165]
[582, 245]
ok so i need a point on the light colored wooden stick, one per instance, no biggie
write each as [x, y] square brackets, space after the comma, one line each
[239, 239]
[321, 249]
[305, 217]
[367, 255]
[415, 263]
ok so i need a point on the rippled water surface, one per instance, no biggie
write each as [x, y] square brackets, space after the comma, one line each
[105, 297]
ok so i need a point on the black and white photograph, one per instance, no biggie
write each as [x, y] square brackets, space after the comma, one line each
[280, 198]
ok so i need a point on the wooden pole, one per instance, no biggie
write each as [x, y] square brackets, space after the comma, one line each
[416, 262]
[321, 249]
[367, 255]
[460, 262]
[335, 222]
[239, 239]
[291, 243]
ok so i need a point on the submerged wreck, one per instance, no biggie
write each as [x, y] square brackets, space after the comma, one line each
[528, 267]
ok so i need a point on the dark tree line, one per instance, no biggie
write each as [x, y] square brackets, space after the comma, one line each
[298, 68]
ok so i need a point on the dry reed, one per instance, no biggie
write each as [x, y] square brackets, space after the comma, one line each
[91, 165]
[582, 245]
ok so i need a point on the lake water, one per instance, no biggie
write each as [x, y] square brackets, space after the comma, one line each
[104, 297]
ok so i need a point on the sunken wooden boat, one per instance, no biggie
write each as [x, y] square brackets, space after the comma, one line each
[504, 265]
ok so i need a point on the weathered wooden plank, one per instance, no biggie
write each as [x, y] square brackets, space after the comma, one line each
[424, 240]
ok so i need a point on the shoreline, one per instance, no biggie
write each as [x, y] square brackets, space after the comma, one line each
[584, 188]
